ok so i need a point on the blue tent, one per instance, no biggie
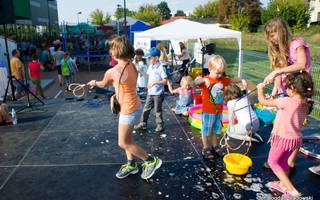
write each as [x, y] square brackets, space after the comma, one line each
[138, 26]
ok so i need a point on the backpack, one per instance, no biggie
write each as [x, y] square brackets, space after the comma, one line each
[65, 69]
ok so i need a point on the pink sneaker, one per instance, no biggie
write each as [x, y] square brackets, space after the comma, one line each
[275, 185]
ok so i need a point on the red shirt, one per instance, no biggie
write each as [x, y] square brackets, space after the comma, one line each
[212, 97]
[34, 67]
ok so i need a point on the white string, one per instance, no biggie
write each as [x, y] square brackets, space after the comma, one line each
[76, 88]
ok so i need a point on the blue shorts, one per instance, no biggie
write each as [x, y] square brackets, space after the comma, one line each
[211, 123]
[131, 118]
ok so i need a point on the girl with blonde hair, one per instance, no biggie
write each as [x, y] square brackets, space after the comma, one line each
[185, 95]
[287, 54]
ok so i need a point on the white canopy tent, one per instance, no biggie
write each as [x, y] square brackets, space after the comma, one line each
[183, 29]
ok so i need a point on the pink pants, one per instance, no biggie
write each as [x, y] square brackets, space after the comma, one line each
[278, 159]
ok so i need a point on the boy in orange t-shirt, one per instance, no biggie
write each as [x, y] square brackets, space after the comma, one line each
[213, 86]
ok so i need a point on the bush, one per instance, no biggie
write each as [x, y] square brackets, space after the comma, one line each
[295, 12]
[240, 22]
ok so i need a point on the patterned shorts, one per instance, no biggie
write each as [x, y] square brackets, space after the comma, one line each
[211, 123]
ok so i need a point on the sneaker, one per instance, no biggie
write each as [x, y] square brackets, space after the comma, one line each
[159, 129]
[217, 151]
[149, 167]
[141, 126]
[125, 170]
[207, 154]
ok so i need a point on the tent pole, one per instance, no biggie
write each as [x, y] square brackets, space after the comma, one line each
[240, 57]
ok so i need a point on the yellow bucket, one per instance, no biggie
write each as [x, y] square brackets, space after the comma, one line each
[237, 164]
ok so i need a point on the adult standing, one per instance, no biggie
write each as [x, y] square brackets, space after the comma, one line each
[130, 105]
[17, 71]
[184, 56]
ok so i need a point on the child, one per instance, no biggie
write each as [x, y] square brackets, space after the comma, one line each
[287, 54]
[185, 95]
[286, 135]
[58, 56]
[157, 80]
[66, 64]
[5, 116]
[34, 72]
[212, 103]
[142, 68]
[239, 108]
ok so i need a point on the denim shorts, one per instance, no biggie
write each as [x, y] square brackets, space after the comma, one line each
[131, 118]
[211, 123]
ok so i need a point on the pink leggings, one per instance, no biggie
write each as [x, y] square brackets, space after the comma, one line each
[278, 159]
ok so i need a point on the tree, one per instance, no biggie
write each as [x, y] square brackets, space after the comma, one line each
[164, 10]
[98, 18]
[252, 9]
[180, 13]
[119, 13]
[295, 12]
[205, 11]
[148, 13]
[227, 9]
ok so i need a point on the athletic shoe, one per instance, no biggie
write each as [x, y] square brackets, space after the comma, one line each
[141, 126]
[125, 170]
[207, 154]
[217, 151]
[149, 167]
[159, 129]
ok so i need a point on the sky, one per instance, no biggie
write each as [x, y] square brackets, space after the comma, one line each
[68, 9]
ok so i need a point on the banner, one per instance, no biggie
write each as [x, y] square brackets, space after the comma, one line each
[142, 43]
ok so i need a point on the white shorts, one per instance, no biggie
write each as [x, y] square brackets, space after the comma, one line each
[131, 118]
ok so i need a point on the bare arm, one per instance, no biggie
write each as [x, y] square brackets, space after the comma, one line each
[101, 84]
[262, 99]
[199, 81]
[299, 65]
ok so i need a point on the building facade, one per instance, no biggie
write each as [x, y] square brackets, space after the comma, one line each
[315, 12]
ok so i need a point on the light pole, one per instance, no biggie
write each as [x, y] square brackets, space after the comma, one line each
[79, 13]
[118, 25]
[125, 17]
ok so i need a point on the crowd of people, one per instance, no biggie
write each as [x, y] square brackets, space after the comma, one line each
[131, 72]
[291, 96]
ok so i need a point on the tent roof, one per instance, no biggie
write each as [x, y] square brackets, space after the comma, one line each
[183, 29]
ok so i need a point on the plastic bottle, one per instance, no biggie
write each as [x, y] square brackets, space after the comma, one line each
[14, 117]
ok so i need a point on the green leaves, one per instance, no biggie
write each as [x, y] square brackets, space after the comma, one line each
[98, 18]
[295, 12]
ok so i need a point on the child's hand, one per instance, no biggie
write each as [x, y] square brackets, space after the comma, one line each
[260, 86]
[207, 82]
[244, 84]
[150, 85]
[270, 78]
